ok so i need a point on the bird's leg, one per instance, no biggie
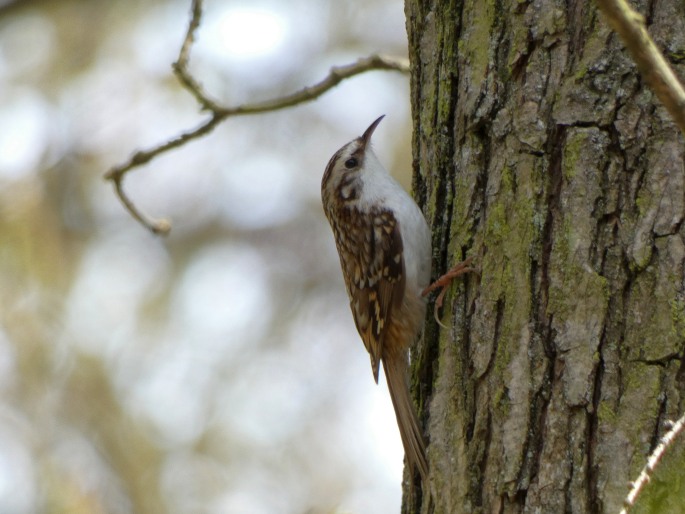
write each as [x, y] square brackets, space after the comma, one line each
[444, 282]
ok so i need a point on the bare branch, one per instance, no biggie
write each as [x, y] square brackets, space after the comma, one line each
[654, 68]
[652, 462]
[180, 67]
[335, 77]
[307, 94]
[218, 113]
[160, 227]
[141, 157]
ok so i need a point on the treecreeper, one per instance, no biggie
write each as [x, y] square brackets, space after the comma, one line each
[384, 245]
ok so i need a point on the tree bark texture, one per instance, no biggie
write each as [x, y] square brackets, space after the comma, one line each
[538, 150]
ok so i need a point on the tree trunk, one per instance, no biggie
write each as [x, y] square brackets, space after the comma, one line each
[539, 151]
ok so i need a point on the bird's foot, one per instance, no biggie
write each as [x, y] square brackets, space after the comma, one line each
[444, 282]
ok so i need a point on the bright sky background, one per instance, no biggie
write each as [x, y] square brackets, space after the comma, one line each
[247, 32]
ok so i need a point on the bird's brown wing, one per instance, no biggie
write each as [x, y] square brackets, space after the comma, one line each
[373, 267]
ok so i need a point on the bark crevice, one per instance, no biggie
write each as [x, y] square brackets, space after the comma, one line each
[545, 159]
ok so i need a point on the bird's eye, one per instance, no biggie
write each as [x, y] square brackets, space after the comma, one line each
[351, 163]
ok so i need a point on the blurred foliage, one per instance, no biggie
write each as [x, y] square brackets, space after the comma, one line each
[217, 370]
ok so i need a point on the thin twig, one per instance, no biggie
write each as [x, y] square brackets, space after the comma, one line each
[306, 94]
[144, 156]
[652, 462]
[654, 68]
[180, 67]
[218, 113]
[336, 75]
[159, 226]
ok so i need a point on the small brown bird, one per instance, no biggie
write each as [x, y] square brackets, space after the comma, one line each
[384, 245]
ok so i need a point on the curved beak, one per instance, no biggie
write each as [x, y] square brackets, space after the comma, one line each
[366, 137]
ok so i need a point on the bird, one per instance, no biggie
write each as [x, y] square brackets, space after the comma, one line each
[384, 245]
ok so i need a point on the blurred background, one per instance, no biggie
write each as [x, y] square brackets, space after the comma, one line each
[216, 370]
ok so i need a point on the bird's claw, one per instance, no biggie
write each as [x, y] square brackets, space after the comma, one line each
[444, 282]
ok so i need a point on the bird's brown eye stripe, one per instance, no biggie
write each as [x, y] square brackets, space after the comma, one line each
[329, 167]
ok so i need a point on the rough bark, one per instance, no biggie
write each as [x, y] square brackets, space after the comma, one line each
[538, 150]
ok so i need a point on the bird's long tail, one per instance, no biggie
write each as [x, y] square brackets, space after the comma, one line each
[395, 367]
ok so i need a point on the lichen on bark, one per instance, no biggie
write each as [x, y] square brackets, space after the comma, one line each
[538, 151]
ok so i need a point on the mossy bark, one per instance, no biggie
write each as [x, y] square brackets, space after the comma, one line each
[539, 151]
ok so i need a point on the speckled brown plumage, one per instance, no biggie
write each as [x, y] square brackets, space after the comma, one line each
[370, 249]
